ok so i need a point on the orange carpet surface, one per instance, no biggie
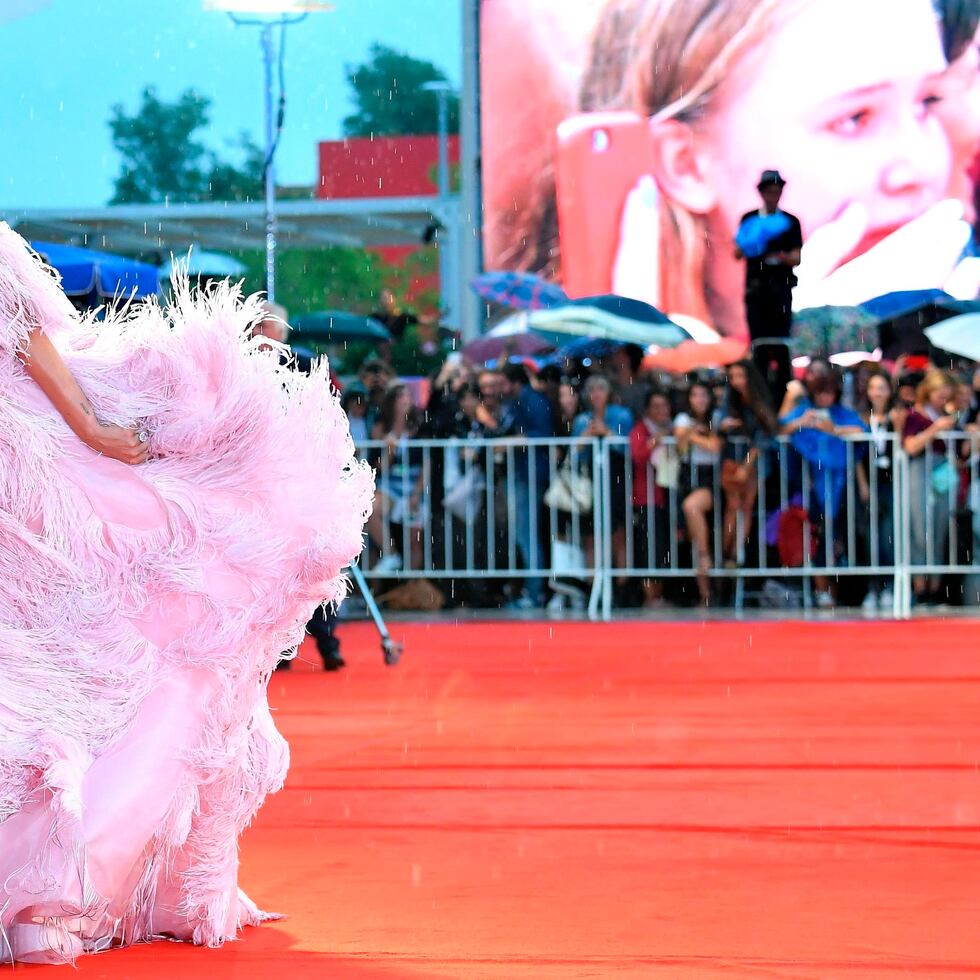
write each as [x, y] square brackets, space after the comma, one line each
[777, 800]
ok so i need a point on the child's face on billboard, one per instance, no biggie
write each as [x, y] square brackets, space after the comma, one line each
[841, 100]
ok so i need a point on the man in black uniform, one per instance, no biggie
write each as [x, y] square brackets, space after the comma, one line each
[769, 241]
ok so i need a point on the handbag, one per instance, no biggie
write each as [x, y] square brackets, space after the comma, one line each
[463, 500]
[943, 478]
[667, 467]
[731, 479]
[570, 491]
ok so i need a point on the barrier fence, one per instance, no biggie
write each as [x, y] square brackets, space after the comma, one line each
[576, 518]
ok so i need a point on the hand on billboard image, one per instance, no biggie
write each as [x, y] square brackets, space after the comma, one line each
[926, 253]
[878, 144]
[636, 271]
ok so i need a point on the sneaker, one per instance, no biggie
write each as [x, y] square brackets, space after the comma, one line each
[556, 603]
[871, 602]
[523, 603]
[825, 600]
[886, 600]
[391, 562]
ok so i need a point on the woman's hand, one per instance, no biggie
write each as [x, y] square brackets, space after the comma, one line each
[922, 254]
[814, 420]
[730, 424]
[118, 442]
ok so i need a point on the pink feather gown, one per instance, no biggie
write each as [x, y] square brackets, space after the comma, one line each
[143, 608]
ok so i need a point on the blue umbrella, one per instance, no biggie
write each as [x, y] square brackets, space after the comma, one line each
[581, 348]
[85, 272]
[518, 290]
[339, 326]
[905, 301]
[903, 316]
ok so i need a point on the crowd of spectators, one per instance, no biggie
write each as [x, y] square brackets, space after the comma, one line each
[689, 458]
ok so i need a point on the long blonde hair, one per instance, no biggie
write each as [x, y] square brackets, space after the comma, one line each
[935, 379]
[664, 59]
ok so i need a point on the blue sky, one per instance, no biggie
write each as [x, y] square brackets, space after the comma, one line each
[65, 65]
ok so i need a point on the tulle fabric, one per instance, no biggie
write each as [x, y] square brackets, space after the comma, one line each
[143, 608]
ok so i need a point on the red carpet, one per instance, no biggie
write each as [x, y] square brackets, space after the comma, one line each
[679, 801]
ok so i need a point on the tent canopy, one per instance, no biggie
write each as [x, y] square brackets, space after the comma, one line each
[226, 227]
[85, 271]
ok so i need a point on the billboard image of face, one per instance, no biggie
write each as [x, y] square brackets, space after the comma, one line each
[623, 140]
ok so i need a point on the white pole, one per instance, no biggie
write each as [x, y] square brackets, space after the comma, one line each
[268, 55]
[469, 227]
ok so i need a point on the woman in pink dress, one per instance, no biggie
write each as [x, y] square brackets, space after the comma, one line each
[174, 503]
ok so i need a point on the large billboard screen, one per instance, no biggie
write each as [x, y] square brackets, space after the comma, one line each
[623, 141]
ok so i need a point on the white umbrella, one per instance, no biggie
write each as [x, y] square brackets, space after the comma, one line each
[561, 325]
[199, 263]
[957, 335]
[590, 321]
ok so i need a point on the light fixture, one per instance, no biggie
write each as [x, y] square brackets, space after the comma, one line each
[274, 8]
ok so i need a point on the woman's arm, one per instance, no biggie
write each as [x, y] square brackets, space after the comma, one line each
[45, 366]
[915, 444]
[708, 441]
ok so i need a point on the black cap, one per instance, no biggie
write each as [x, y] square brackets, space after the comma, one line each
[770, 178]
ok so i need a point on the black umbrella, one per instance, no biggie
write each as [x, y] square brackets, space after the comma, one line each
[337, 327]
[904, 316]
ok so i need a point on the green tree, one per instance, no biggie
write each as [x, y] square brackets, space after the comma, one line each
[311, 279]
[164, 157]
[387, 91]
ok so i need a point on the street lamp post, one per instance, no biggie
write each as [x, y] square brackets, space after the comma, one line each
[269, 14]
[269, 169]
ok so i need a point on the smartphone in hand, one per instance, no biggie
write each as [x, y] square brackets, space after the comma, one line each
[600, 157]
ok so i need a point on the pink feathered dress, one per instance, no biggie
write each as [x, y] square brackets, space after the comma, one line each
[143, 608]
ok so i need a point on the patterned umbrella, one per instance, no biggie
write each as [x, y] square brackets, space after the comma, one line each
[518, 290]
[488, 348]
[825, 330]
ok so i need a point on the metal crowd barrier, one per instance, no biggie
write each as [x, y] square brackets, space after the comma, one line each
[462, 512]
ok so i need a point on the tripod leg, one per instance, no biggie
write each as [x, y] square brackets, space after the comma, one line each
[392, 650]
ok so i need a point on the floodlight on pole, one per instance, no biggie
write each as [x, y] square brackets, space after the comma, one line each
[273, 8]
[269, 14]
